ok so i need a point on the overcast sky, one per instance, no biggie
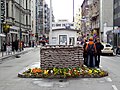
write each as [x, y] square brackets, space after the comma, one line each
[63, 9]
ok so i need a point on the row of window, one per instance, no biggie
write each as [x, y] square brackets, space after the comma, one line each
[25, 3]
[15, 12]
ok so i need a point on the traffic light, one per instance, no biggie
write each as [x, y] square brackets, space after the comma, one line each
[2, 11]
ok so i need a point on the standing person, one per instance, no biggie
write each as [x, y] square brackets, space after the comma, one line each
[99, 47]
[29, 43]
[32, 43]
[4, 46]
[91, 50]
[16, 45]
[84, 52]
[13, 46]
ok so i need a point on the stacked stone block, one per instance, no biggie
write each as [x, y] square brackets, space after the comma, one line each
[61, 56]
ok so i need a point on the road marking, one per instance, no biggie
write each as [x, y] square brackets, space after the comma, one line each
[114, 87]
[109, 79]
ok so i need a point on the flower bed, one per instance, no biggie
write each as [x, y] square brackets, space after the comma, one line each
[83, 72]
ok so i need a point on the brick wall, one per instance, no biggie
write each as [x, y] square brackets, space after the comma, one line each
[61, 56]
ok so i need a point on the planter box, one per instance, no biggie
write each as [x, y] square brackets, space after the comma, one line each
[61, 56]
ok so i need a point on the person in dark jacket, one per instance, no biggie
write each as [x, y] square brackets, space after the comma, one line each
[84, 52]
[16, 45]
[4, 46]
[99, 47]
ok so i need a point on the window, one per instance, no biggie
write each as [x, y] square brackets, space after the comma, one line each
[53, 25]
[63, 24]
[108, 45]
[72, 25]
[7, 10]
[63, 39]
[58, 24]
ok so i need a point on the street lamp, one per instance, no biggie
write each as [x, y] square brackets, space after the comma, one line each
[50, 33]
[20, 32]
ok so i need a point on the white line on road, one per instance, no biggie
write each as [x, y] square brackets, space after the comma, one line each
[109, 79]
[114, 87]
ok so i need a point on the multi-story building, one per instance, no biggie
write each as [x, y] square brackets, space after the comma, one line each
[116, 23]
[85, 18]
[95, 18]
[106, 19]
[32, 33]
[39, 17]
[18, 16]
[78, 20]
[42, 18]
[116, 13]
[98, 16]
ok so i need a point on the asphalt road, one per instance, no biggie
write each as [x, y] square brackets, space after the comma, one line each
[10, 68]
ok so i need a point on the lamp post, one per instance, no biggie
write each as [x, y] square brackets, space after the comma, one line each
[20, 32]
[0, 25]
[50, 33]
[113, 30]
[73, 10]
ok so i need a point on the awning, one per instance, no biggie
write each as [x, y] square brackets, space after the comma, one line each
[2, 35]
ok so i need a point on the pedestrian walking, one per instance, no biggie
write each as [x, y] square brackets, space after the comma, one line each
[99, 47]
[84, 52]
[91, 50]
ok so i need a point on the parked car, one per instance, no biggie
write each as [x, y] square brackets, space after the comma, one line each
[108, 49]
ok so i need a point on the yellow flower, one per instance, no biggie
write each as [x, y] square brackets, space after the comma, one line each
[95, 71]
[46, 72]
[90, 71]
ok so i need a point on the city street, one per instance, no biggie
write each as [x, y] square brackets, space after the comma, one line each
[9, 69]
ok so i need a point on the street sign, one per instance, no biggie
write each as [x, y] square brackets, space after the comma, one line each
[2, 11]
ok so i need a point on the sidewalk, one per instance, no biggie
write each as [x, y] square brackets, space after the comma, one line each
[4, 55]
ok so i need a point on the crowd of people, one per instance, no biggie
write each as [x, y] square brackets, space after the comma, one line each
[92, 51]
[16, 46]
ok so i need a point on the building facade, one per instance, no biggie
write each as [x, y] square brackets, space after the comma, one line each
[116, 23]
[85, 18]
[98, 16]
[78, 20]
[42, 18]
[33, 21]
[106, 19]
[18, 17]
